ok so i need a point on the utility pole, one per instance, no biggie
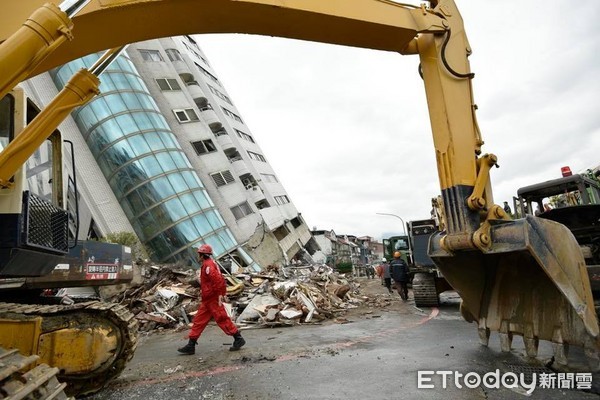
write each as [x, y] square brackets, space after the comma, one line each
[403, 230]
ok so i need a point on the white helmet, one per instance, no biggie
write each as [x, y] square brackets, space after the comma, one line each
[384, 259]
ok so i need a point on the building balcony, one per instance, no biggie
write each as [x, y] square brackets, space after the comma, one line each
[225, 141]
[197, 94]
[210, 117]
[239, 166]
[255, 194]
[183, 71]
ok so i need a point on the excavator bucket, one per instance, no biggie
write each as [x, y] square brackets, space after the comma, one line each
[531, 282]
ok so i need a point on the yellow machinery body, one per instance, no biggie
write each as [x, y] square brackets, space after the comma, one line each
[89, 343]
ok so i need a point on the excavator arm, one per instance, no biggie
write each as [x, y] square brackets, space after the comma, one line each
[524, 277]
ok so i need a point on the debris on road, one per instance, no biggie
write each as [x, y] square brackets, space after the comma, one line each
[278, 296]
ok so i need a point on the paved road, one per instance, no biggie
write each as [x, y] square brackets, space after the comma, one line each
[377, 356]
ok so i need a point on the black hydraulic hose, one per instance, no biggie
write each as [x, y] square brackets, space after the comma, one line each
[76, 193]
[448, 67]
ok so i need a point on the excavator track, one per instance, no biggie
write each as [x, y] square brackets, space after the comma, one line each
[105, 331]
[20, 378]
[425, 291]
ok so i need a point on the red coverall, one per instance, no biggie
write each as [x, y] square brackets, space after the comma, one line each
[212, 286]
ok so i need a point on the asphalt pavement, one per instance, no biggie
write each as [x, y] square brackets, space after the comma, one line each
[396, 353]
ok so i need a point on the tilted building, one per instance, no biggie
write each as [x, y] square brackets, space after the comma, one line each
[164, 152]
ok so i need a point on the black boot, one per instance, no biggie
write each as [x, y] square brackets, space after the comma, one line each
[189, 348]
[238, 342]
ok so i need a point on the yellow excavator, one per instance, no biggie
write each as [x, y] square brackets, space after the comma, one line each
[523, 277]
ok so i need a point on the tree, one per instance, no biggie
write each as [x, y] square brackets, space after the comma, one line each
[129, 239]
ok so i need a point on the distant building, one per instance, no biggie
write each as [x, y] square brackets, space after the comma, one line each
[371, 249]
[335, 249]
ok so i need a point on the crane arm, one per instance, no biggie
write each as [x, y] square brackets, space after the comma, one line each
[102, 24]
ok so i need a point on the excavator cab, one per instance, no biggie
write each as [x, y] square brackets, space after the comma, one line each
[34, 224]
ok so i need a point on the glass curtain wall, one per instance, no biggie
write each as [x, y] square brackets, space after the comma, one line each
[142, 160]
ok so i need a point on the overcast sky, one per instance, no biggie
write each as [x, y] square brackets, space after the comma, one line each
[347, 131]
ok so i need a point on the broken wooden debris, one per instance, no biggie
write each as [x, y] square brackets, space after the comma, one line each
[277, 296]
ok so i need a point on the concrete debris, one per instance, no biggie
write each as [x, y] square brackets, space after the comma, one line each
[165, 300]
[173, 370]
[277, 296]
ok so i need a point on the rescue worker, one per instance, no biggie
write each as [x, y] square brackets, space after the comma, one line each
[399, 272]
[369, 271]
[213, 291]
[387, 277]
[379, 271]
[507, 209]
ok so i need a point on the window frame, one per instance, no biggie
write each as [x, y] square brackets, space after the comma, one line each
[241, 210]
[207, 149]
[190, 115]
[244, 136]
[225, 178]
[147, 55]
[282, 199]
[256, 156]
[169, 83]
[176, 55]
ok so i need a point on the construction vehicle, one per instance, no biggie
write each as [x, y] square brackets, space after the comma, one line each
[573, 201]
[396, 243]
[517, 277]
[86, 341]
[426, 280]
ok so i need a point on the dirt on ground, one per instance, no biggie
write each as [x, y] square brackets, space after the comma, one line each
[377, 300]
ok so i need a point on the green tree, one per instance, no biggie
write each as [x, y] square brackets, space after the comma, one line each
[128, 239]
[344, 267]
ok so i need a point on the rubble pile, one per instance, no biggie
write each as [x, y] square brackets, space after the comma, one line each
[278, 296]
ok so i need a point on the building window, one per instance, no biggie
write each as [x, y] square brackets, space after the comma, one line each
[281, 200]
[296, 222]
[205, 72]
[151, 55]
[257, 157]
[241, 210]
[173, 54]
[222, 178]
[204, 146]
[168, 84]
[187, 115]
[219, 94]
[244, 136]
[188, 37]
[232, 115]
[281, 232]
[270, 178]
[262, 204]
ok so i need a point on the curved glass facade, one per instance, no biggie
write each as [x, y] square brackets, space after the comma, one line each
[143, 162]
